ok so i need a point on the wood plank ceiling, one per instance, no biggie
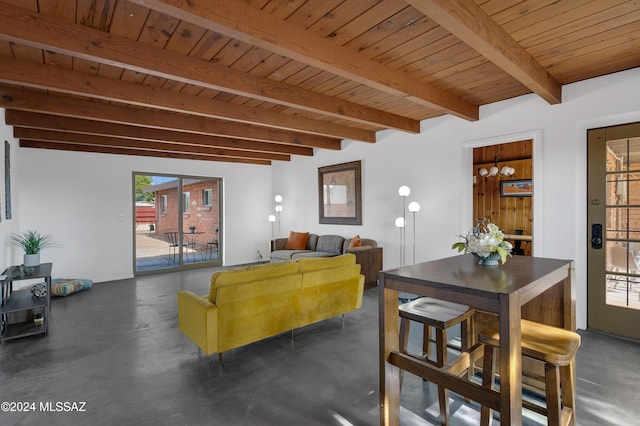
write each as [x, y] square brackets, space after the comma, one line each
[253, 81]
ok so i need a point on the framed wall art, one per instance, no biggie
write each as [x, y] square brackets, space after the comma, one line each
[516, 188]
[340, 193]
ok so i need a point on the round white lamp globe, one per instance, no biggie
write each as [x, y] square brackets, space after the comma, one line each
[404, 191]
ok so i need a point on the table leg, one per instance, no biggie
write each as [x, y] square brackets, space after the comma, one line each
[389, 341]
[510, 360]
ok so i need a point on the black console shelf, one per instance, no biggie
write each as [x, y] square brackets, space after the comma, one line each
[23, 304]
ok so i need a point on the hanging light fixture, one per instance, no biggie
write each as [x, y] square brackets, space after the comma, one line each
[494, 170]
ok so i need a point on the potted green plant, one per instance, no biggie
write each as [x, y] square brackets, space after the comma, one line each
[192, 229]
[38, 319]
[32, 242]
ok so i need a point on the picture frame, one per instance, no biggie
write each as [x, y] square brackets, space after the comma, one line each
[516, 188]
[340, 193]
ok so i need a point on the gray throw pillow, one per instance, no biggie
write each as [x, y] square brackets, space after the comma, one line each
[330, 243]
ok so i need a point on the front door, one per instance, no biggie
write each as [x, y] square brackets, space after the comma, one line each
[613, 210]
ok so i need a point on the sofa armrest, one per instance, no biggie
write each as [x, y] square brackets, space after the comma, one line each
[355, 250]
[370, 261]
[198, 320]
[278, 244]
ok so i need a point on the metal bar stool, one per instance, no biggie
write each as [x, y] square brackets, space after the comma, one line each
[439, 315]
[556, 348]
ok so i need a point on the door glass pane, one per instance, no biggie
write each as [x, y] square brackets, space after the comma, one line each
[156, 225]
[200, 220]
[617, 193]
[623, 154]
[623, 223]
[623, 274]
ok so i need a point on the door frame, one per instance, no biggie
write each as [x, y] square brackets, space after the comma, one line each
[466, 183]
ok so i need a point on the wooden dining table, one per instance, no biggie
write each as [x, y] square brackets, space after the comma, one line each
[539, 289]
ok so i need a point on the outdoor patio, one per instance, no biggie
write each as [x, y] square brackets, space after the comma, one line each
[153, 251]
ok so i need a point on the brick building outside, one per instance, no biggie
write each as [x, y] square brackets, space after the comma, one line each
[200, 207]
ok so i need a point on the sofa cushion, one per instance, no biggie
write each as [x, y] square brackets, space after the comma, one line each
[249, 274]
[287, 254]
[313, 264]
[297, 241]
[301, 254]
[312, 242]
[330, 244]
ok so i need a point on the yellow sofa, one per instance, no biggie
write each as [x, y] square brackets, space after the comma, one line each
[248, 304]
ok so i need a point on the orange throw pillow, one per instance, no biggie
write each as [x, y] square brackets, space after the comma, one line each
[296, 241]
[355, 242]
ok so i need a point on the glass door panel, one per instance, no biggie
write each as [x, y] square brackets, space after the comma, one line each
[177, 222]
[200, 220]
[623, 222]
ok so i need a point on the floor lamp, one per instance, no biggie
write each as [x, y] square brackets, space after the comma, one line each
[404, 192]
[278, 199]
[272, 219]
[400, 225]
[414, 207]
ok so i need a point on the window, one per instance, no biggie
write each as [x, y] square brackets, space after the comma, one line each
[163, 204]
[206, 197]
[186, 202]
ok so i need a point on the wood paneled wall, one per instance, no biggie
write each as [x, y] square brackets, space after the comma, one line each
[509, 213]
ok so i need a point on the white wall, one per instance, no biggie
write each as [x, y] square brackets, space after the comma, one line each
[84, 200]
[432, 164]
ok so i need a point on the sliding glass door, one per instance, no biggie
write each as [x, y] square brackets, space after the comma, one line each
[177, 222]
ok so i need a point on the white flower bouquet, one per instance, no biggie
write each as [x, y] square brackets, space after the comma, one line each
[486, 242]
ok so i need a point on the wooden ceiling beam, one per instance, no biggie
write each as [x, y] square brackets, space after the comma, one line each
[27, 143]
[49, 33]
[13, 98]
[33, 120]
[94, 140]
[251, 25]
[51, 77]
[468, 22]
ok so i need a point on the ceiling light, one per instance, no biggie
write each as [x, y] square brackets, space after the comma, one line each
[495, 171]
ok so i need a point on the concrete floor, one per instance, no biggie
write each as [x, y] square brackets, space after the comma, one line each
[117, 349]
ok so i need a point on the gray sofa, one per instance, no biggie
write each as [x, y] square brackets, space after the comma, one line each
[318, 246]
